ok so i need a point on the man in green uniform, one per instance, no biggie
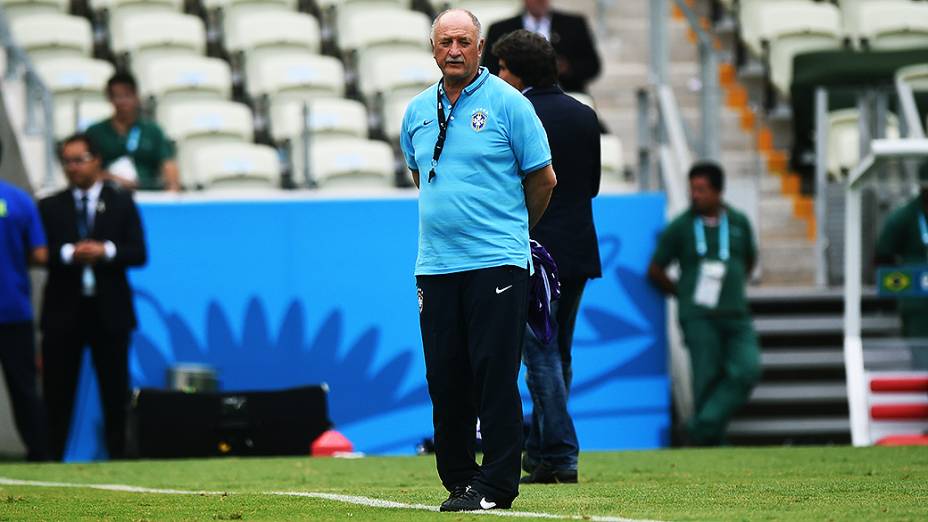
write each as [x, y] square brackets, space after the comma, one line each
[714, 246]
[135, 151]
[904, 241]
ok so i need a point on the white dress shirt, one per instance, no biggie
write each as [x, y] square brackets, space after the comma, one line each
[67, 250]
[541, 25]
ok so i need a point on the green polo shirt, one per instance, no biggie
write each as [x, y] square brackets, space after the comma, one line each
[154, 148]
[678, 243]
[901, 239]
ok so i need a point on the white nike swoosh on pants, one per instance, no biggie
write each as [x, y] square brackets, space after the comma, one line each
[501, 290]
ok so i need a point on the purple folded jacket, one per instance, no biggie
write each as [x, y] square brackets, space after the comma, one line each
[544, 289]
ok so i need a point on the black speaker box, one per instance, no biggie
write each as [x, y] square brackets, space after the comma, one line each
[176, 424]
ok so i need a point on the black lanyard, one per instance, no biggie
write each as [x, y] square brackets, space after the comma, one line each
[442, 132]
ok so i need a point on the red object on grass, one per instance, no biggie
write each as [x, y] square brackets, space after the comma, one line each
[903, 440]
[330, 443]
[899, 412]
[899, 384]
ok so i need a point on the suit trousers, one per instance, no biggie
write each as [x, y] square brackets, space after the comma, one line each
[17, 356]
[472, 330]
[62, 352]
[568, 306]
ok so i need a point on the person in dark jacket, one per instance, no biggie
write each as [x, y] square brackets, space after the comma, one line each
[527, 62]
[577, 60]
[94, 234]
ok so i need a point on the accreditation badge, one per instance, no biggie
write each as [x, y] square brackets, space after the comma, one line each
[709, 285]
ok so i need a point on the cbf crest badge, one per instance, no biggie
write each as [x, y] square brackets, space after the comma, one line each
[478, 120]
[419, 293]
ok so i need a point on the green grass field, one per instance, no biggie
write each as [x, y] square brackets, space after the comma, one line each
[833, 483]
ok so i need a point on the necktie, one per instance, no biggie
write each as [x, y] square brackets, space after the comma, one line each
[83, 218]
[88, 281]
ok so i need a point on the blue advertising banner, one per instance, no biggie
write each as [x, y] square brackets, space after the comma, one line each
[283, 293]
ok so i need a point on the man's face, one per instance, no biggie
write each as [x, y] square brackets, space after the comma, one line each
[81, 168]
[124, 99]
[508, 76]
[457, 46]
[703, 197]
[538, 8]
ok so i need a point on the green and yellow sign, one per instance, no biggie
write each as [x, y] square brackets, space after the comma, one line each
[906, 281]
[3, 209]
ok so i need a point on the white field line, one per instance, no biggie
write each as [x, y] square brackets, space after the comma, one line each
[346, 499]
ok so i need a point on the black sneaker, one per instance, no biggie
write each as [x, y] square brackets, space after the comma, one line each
[545, 475]
[456, 492]
[473, 500]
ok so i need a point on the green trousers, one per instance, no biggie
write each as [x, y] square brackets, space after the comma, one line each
[725, 359]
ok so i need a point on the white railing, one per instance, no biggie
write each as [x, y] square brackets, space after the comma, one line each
[881, 152]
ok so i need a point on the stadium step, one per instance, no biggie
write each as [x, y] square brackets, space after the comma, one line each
[802, 395]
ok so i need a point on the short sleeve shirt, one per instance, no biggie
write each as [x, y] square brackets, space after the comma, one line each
[678, 243]
[472, 215]
[148, 155]
[20, 233]
[901, 239]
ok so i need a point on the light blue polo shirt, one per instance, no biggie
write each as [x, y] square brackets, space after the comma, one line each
[473, 214]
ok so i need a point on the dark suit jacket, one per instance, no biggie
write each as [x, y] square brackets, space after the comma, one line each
[566, 228]
[571, 39]
[117, 220]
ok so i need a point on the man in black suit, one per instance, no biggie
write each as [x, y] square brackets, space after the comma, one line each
[577, 60]
[94, 233]
[527, 62]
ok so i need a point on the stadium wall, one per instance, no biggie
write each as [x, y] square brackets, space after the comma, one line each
[282, 293]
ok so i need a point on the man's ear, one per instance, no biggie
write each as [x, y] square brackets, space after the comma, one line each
[480, 45]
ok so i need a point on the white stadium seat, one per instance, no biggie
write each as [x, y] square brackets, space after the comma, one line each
[207, 118]
[296, 77]
[185, 77]
[797, 27]
[368, 26]
[914, 75]
[394, 108]
[844, 140]
[893, 25]
[236, 166]
[612, 164]
[195, 124]
[268, 33]
[350, 162]
[327, 116]
[18, 8]
[761, 20]
[147, 36]
[140, 5]
[53, 35]
[490, 12]
[394, 72]
[228, 5]
[77, 76]
[326, 5]
[79, 114]
[76, 81]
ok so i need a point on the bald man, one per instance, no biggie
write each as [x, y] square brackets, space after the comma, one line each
[486, 178]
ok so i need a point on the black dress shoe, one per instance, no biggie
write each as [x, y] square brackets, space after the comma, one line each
[456, 492]
[546, 475]
[528, 463]
[473, 500]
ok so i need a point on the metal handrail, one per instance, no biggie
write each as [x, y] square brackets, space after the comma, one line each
[710, 92]
[18, 62]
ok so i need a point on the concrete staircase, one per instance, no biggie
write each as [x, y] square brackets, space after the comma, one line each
[787, 253]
